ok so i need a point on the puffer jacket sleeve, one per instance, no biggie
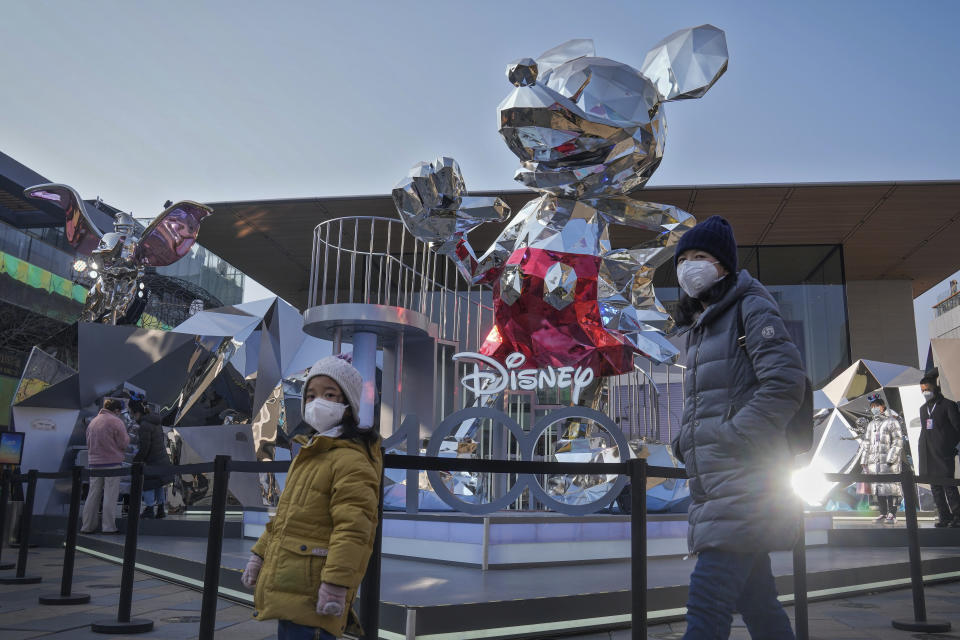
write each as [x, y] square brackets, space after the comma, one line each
[953, 417]
[353, 509]
[895, 451]
[120, 434]
[146, 443]
[862, 451]
[260, 548]
[779, 371]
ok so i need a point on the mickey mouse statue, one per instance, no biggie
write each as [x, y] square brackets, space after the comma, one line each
[589, 133]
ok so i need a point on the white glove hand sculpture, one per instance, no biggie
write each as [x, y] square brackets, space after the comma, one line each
[331, 599]
[252, 570]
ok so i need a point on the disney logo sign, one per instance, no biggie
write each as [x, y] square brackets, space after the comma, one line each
[488, 382]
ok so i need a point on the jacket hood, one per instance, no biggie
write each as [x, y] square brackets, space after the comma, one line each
[151, 418]
[746, 285]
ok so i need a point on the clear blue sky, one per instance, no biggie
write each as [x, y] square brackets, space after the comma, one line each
[141, 102]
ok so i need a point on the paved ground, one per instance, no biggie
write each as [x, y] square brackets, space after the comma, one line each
[175, 610]
[858, 618]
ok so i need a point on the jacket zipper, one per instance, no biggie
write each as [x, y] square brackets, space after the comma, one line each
[696, 403]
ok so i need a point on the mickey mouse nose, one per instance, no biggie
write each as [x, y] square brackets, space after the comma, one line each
[522, 72]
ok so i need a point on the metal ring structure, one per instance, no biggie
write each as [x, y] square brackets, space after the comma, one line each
[444, 429]
[527, 443]
[601, 419]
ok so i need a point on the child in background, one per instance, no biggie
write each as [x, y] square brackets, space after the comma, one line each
[881, 452]
[308, 564]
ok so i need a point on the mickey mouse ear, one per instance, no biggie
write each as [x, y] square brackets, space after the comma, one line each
[687, 63]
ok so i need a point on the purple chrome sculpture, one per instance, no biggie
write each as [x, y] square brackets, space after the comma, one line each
[118, 258]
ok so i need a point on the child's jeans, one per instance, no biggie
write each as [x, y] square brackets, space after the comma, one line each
[287, 630]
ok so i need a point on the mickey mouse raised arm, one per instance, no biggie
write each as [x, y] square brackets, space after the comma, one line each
[589, 133]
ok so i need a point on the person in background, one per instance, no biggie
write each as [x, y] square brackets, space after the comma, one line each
[107, 441]
[939, 436]
[153, 451]
[742, 390]
[308, 564]
[881, 451]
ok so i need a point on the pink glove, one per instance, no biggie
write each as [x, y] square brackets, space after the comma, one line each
[250, 573]
[331, 599]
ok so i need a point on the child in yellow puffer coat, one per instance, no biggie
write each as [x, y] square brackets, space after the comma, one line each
[308, 564]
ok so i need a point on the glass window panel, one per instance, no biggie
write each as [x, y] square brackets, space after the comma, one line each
[792, 265]
[807, 283]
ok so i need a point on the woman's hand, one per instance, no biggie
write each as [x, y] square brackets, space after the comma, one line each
[331, 599]
[252, 571]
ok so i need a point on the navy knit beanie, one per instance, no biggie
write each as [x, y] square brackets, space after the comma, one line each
[715, 236]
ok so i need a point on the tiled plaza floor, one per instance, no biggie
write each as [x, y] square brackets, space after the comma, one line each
[175, 610]
[864, 617]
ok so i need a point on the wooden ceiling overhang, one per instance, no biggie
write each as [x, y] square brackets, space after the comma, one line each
[889, 230]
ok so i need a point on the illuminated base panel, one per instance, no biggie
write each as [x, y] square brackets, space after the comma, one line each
[434, 599]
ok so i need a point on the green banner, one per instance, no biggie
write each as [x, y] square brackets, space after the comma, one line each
[33, 276]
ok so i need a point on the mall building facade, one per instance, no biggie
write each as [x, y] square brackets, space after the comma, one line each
[41, 294]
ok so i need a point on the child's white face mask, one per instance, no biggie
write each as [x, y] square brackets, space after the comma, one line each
[322, 414]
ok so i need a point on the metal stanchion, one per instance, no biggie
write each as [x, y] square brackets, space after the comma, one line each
[211, 576]
[4, 497]
[70, 550]
[123, 623]
[801, 621]
[919, 622]
[21, 576]
[638, 548]
[370, 589]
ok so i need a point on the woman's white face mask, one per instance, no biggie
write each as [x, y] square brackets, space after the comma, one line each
[323, 414]
[696, 276]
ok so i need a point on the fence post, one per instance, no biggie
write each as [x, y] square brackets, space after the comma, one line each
[26, 519]
[70, 549]
[123, 623]
[370, 589]
[638, 548]
[211, 575]
[919, 622]
[801, 621]
[4, 497]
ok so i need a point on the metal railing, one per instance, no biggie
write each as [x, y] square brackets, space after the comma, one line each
[374, 260]
[637, 470]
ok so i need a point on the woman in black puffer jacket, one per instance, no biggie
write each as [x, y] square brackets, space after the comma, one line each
[739, 398]
[153, 451]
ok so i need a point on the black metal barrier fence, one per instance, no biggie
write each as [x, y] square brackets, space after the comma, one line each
[637, 470]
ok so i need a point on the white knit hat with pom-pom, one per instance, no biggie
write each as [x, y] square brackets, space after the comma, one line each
[341, 371]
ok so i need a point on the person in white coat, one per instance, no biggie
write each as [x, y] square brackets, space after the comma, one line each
[881, 452]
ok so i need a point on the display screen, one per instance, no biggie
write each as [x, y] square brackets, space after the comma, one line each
[11, 447]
